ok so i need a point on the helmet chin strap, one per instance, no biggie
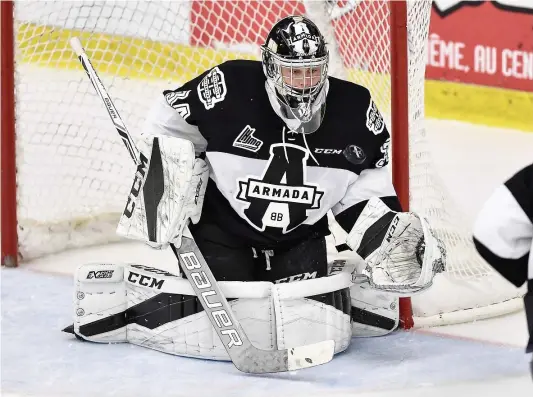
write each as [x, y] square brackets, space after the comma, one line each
[304, 123]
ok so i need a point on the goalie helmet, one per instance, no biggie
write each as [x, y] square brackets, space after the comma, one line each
[295, 61]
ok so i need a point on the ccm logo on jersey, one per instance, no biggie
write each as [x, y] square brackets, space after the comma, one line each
[201, 281]
[328, 151]
[100, 274]
[145, 281]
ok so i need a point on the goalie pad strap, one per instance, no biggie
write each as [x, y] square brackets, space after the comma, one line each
[135, 274]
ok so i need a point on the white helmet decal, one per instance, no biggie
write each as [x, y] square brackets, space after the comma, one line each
[303, 42]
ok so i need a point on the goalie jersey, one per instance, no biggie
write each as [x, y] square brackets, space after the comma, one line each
[503, 235]
[268, 184]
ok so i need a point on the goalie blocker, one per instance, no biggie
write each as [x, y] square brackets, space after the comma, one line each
[166, 195]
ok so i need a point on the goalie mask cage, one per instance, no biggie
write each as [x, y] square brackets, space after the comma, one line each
[65, 173]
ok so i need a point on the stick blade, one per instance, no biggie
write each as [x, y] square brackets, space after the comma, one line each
[310, 355]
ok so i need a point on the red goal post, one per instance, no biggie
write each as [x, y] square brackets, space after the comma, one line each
[8, 214]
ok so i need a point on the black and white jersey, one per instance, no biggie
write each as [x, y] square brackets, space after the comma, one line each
[503, 234]
[269, 184]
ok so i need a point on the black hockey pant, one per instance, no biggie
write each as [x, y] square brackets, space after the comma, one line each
[231, 260]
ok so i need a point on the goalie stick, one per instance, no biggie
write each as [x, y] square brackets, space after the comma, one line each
[245, 356]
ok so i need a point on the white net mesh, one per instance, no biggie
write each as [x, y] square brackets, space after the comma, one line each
[73, 171]
[469, 289]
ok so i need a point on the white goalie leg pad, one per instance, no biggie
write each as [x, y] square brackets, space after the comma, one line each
[161, 312]
[400, 252]
[273, 316]
[170, 318]
[153, 308]
[374, 312]
[168, 189]
[99, 294]
[303, 320]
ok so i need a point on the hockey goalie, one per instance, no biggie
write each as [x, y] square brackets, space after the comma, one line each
[248, 159]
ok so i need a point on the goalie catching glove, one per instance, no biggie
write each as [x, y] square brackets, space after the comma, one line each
[168, 190]
[399, 250]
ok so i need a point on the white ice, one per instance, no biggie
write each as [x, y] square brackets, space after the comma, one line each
[485, 358]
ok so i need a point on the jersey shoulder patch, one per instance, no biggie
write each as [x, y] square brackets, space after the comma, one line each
[374, 119]
[237, 75]
[360, 102]
[212, 88]
[372, 139]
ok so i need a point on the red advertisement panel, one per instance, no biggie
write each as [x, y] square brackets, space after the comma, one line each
[477, 42]
[485, 42]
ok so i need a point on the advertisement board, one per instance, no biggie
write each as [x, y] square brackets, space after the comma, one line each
[488, 43]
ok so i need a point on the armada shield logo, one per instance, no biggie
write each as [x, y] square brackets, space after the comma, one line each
[300, 39]
[281, 198]
[212, 88]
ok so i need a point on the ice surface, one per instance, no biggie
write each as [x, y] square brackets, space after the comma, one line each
[39, 360]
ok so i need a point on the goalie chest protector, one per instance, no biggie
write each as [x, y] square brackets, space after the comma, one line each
[268, 183]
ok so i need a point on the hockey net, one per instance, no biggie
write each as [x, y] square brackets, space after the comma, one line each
[72, 172]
